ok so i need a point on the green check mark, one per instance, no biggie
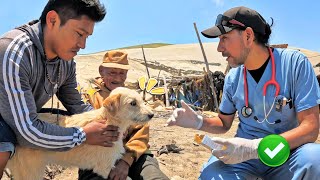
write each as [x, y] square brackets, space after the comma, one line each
[273, 150]
[273, 153]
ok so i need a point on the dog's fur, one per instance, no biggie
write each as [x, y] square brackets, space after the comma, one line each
[124, 107]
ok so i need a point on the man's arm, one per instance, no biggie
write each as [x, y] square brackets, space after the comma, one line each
[68, 93]
[218, 125]
[308, 128]
[305, 99]
[18, 106]
[137, 144]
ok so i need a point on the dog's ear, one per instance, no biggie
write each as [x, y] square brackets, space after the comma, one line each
[112, 103]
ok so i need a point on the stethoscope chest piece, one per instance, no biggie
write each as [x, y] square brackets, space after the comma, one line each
[246, 111]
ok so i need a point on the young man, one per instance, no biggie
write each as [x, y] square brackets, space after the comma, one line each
[137, 162]
[36, 62]
[244, 35]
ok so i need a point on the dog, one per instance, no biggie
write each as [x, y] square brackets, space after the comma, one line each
[124, 107]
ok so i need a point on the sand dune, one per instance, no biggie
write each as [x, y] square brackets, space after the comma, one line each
[187, 57]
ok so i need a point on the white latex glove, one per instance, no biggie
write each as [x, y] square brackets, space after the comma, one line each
[236, 150]
[185, 117]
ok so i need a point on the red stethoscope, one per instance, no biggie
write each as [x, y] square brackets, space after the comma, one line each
[246, 111]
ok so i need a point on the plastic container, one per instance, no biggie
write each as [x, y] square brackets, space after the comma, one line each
[207, 142]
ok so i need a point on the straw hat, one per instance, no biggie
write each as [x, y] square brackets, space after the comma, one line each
[116, 59]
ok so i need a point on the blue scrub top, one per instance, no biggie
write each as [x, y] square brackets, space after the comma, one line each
[297, 81]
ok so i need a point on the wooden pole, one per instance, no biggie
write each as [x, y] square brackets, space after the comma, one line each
[212, 87]
[145, 61]
[166, 91]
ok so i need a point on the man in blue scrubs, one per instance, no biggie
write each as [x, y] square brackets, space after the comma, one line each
[288, 106]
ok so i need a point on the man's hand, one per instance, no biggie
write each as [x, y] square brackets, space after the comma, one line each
[99, 133]
[185, 117]
[236, 150]
[120, 171]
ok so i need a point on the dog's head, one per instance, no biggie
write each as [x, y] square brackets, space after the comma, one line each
[126, 104]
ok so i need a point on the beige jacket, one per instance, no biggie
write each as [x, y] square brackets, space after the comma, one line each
[136, 141]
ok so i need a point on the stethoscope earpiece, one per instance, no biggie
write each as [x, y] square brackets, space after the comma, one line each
[246, 111]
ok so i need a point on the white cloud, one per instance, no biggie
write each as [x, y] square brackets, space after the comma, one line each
[218, 2]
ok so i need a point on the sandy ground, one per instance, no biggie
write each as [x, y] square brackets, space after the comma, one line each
[185, 165]
[168, 60]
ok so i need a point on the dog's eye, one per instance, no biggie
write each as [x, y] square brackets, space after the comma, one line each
[133, 103]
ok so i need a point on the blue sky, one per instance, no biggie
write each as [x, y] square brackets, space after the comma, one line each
[133, 22]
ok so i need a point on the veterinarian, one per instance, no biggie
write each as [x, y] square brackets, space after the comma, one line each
[36, 62]
[138, 161]
[274, 91]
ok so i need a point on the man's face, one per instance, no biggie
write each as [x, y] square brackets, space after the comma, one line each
[68, 39]
[113, 77]
[232, 46]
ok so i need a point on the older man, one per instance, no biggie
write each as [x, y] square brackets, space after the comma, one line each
[137, 162]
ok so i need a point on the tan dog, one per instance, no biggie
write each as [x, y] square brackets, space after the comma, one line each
[124, 107]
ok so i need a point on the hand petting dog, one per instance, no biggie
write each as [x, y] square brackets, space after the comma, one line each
[105, 137]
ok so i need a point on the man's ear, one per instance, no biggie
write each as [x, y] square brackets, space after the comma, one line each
[249, 36]
[52, 19]
[112, 103]
[103, 71]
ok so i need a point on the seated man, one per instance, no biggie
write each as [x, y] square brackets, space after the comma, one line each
[138, 162]
[288, 108]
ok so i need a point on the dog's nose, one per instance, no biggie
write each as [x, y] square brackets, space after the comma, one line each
[150, 115]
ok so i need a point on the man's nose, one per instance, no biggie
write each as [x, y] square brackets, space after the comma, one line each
[119, 78]
[220, 47]
[82, 43]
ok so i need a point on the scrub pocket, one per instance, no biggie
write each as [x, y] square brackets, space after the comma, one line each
[284, 112]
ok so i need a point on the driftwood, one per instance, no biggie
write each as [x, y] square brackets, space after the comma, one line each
[196, 89]
[145, 61]
[170, 81]
[211, 84]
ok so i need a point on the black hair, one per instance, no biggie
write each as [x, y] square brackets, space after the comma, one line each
[74, 9]
[263, 39]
